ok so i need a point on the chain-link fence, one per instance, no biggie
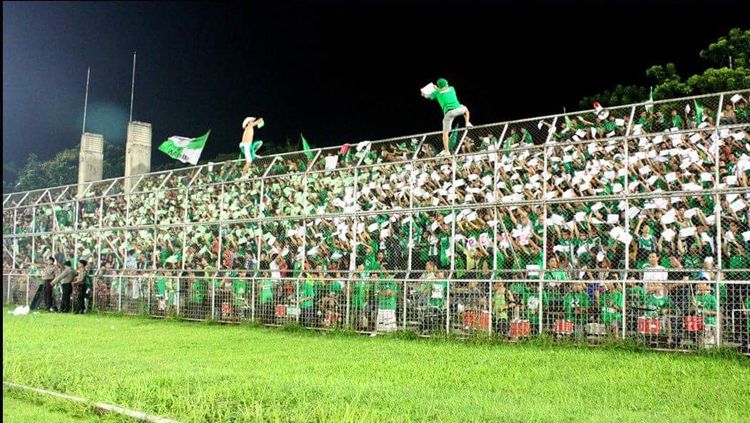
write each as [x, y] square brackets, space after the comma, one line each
[535, 226]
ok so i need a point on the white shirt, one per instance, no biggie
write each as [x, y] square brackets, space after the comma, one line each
[275, 272]
[654, 274]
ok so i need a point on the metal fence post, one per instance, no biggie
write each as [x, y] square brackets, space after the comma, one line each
[717, 218]
[626, 191]
[213, 296]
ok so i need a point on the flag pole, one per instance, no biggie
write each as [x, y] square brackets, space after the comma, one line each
[86, 100]
[132, 89]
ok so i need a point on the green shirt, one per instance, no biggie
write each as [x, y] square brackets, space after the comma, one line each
[387, 302]
[703, 303]
[359, 294]
[445, 245]
[531, 302]
[500, 305]
[266, 291]
[654, 305]
[610, 304]
[307, 290]
[447, 99]
[199, 290]
[437, 292]
[239, 288]
[574, 301]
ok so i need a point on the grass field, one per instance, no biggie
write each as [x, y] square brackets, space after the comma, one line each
[197, 372]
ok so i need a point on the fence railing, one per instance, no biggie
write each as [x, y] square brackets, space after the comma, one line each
[677, 313]
[653, 189]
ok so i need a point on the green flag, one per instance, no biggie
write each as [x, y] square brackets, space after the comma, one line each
[186, 150]
[306, 147]
[698, 113]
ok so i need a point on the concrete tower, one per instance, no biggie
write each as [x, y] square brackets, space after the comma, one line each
[137, 151]
[90, 159]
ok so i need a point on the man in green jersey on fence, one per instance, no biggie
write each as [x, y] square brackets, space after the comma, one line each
[446, 97]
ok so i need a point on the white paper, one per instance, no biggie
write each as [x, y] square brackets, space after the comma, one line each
[331, 162]
[580, 216]
[735, 98]
[669, 217]
[687, 232]
[746, 236]
[620, 122]
[428, 89]
[737, 205]
[613, 219]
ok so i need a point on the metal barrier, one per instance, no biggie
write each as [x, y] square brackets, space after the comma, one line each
[652, 190]
[679, 312]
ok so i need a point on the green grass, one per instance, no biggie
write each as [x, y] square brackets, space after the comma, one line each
[197, 373]
[19, 406]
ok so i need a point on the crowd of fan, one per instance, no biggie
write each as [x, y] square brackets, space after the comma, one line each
[579, 164]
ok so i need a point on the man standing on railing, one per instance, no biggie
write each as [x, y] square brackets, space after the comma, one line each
[248, 146]
[446, 97]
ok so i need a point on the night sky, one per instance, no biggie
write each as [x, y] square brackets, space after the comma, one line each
[335, 72]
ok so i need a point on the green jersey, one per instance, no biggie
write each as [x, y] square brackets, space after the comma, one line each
[360, 292]
[703, 303]
[437, 292]
[240, 289]
[334, 288]
[500, 305]
[387, 294]
[307, 291]
[531, 302]
[445, 245]
[266, 291]
[574, 301]
[654, 305]
[447, 99]
[198, 288]
[610, 304]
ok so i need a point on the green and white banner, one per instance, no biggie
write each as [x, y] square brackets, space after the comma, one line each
[186, 150]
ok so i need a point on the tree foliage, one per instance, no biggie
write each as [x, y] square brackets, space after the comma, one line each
[668, 82]
[63, 168]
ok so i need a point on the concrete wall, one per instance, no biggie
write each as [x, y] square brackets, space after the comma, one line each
[137, 151]
[90, 159]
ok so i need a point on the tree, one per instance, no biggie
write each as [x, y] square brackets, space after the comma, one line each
[669, 83]
[735, 45]
[63, 168]
[30, 176]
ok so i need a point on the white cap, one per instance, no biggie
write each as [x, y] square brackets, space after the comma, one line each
[708, 260]
[246, 121]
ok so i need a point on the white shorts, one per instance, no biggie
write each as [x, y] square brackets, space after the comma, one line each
[386, 321]
[246, 150]
[448, 118]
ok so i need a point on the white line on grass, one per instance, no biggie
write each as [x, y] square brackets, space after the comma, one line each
[140, 415]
